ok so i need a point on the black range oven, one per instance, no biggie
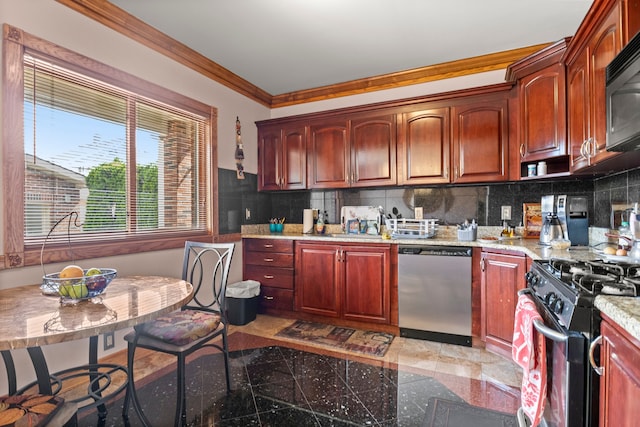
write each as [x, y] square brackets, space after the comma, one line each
[564, 292]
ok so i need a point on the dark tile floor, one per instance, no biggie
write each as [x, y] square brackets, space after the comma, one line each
[281, 386]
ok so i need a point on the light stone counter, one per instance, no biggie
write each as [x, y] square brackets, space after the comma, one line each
[445, 236]
[625, 311]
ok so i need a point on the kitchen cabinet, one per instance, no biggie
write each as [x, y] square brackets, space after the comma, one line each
[424, 144]
[502, 276]
[620, 381]
[282, 157]
[271, 262]
[353, 151]
[343, 281]
[466, 141]
[586, 82]
[541, 92]
[480, 139]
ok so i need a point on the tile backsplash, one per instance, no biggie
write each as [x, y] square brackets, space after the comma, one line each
[450, 204]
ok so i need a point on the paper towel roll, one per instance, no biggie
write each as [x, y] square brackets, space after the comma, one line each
[307, 221]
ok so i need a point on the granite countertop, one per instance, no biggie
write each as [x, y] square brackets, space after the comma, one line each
[446, 236]
[625, 311]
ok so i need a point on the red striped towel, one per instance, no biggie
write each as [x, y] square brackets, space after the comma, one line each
[529, 351]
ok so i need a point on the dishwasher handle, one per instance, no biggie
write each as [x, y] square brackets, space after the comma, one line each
[461, 251]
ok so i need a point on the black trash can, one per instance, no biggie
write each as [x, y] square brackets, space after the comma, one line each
[242, 302]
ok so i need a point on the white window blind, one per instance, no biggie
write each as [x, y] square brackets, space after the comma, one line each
[127, 165]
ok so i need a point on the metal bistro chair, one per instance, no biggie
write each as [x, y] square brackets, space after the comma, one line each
[180, 333]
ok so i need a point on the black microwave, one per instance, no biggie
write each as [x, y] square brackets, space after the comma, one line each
[623, 99]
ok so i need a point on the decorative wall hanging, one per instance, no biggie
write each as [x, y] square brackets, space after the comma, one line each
[239, 155]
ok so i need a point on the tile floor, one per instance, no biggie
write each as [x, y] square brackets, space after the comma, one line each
[278, 382]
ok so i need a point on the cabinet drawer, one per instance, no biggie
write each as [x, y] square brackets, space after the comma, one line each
[275, 298]
[269, 276]
[269, 245]
[275, 259]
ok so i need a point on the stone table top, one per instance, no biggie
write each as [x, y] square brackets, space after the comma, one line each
[30, 319]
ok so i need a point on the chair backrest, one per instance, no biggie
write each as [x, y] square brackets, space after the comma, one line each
[206, 266]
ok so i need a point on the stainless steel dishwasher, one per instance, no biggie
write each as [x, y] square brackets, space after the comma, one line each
[434, 293]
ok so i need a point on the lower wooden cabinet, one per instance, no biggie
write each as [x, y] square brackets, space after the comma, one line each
[270, 262]
[502, 278]
[343, 281]
[620, 381]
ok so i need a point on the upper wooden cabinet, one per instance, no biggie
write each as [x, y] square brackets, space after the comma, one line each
[353, 152]
[541, 95]
[282, 157]
[586, 85]
[464, 142]
[424, 141]
[480, 140]
[373, 150]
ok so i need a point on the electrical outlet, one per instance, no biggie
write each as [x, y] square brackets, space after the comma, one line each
[109, 341]
[247, 213]
[418, 212]
[505, 213]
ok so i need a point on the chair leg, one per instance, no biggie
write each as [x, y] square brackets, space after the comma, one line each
[181, 403]
[131, 394]
[225, 353]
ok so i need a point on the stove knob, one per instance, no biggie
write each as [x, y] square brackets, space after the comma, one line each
[550, 298]
[558, 306]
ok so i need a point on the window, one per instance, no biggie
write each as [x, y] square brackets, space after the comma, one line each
[133, 160]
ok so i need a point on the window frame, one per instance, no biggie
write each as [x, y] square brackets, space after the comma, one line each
[15, 43]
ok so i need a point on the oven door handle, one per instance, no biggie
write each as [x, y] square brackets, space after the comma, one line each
[552, 334]
[548, 332]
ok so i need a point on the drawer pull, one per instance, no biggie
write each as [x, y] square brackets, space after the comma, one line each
[268, 260]
[268, 276]
[267, 297]
[268, 246]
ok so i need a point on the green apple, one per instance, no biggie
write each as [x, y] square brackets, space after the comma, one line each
[75, 291]
[93, 271]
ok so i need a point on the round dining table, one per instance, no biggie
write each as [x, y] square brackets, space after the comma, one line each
[31, 319]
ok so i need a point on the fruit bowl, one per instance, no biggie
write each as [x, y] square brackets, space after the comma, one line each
[92, 283]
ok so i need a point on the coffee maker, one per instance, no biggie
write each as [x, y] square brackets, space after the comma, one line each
[573, 215]
[551, 226]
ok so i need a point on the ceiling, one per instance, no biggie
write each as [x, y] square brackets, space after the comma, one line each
[285, 46]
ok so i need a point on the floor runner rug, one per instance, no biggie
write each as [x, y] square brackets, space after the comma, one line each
[364, 342]
[447, 413]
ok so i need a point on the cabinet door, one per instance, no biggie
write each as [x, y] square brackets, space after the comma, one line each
[328, 157]
[424, 139]
[317, 279]
[578, 111]
[502, 278]
[269, 157]
[604, 47]
[586, 96]
[620, 385]
[373, 151]
[294, 157]
[542, 114]
[480, 141]
[366, 284]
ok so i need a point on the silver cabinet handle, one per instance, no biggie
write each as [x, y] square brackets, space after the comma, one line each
[268, 276]
[267, 297]
[592, 348]
[268, 259]
[268, 245]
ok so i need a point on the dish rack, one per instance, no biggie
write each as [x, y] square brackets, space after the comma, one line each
[412, 228]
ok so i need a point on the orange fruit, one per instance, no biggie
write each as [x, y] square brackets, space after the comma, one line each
[71, 272]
